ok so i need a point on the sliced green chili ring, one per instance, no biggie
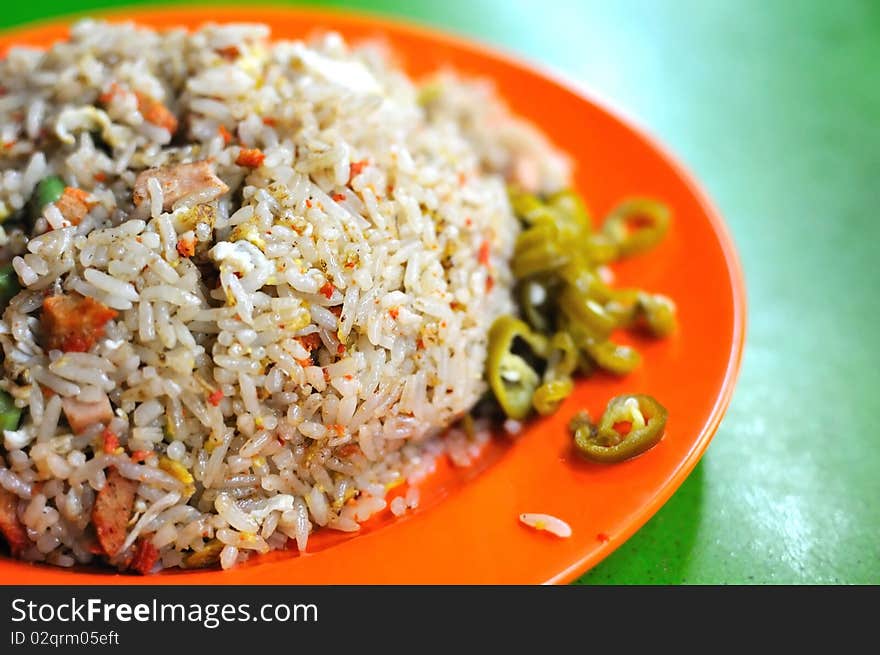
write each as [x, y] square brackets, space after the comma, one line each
[623, 306]
[9, 285]
[562, 358]
[549, 396]
[10, 415]
[601, 249]
[511, 378]
[581, 275]
[530, 310]
[603, 443]
[587, 312]
[659, 313]
[537, 251]
[637, 224]
[613, 357]
[529, 207]
[571, 205]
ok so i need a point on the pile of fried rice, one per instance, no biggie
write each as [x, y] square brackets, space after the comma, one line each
[261, 298]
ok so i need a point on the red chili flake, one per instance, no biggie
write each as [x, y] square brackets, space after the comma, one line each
[110, 441]
[156, 113]
[394, 312]
[271, 122]
[348, 449]
[304, 362]
[100, 176]
[604, 538]
[338, 197]
[326, 374]
[338, 429]
[309, 203]
[349, 264]
[186, 247]
[250, 157]
[468, 221]
[420, 344]
[483, 255]
[225, 134]
[389, 189]
[348, 376]
[490, 283]
[140, 455]
[340, 349]
[229, 52]
[455, 305]
[108, 95]
[215, 397]
[327, 290]
[462, 178]
[355, 169]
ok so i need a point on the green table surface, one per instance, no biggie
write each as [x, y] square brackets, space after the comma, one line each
[775, 108]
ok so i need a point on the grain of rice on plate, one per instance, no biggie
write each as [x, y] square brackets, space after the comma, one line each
[257, 295]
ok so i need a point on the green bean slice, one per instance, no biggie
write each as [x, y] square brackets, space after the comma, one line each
[9, 285]
[605, 443]
[10, 415]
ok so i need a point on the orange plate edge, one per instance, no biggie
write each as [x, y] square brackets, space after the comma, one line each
[468, 531]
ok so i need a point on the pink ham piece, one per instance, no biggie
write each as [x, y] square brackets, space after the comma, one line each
[178, 181]
[81, 415]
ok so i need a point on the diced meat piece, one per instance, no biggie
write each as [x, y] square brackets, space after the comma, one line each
[74, 204]
[250, 157]
[145, 556]
[81, 415]
[112, 511]
[10, 527]
[178, 181]
[156, 113]
[73, 323]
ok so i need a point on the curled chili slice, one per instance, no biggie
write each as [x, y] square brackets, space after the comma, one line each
[658, 312]
[511, 378]
[637, 224]
[606, 443]
[613, 357]
[549, 396]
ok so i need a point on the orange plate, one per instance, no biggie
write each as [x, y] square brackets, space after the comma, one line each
[467, 528]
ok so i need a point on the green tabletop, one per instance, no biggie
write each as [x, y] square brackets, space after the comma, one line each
[775, 108]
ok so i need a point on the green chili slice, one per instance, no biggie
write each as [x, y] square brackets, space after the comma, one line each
[549, 396]
[9, 285]
[613, 357]
[10, 415]
[606, 443]
[637, 224]
[511, 378]
[658, 312]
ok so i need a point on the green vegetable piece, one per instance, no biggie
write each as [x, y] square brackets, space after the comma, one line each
[49, 189]
[613, 357]
[659, 313]
[606, 443]
[10, 415]
[589, 314]
[637, 225]
[9, 285]
[511, 378]
[549, 396]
